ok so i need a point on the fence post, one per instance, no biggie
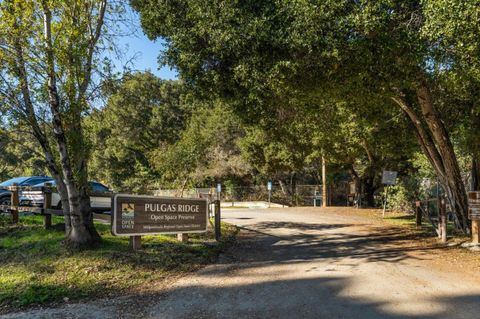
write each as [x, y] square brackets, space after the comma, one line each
[418, 214]
[442, 223]
[47, 204]
[14, 203]
[218, 229]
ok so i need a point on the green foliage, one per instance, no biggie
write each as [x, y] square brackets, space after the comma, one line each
[340, 61]
[142, 117]
[400, 198]
[20, 155]
[206, 151]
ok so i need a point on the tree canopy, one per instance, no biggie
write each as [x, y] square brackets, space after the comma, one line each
[262, 54]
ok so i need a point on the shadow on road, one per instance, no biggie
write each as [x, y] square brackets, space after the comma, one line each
[305, 242]
[305, 298]
[291, 243]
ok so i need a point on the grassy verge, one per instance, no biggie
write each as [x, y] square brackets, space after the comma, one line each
[35, 268]
[426, 230]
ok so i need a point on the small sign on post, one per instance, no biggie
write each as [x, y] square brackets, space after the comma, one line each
[269, 188]
[135, 215]
[219, 190]
[388, 178]
[418, 214]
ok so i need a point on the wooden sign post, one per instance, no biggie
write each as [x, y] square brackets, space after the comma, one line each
[474, 215]
[135, 215]
[442, 225]
[136, 242]
[14, 203]
[418, 214]
[182, 237]
[47, 204]
[476, 231]
[218, 227]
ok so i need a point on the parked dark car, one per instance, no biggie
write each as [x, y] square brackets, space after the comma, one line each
[21, 181]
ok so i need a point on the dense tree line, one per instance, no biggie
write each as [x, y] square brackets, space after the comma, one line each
[419, 56]
[266, 90]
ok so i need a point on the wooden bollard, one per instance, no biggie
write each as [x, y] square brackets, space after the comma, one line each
[14, 203]
[474, 215]
[476, 231]
[418, 214]
[136, 242]
[47, 204]
[442, 223]
[182, 238]
[218, 228]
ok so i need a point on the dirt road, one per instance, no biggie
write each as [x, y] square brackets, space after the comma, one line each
[308, 263]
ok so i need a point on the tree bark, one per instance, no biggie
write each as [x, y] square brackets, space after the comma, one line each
[459, 199]
[282, 187]
[475, 151]
[293, 189]
[437, 147]
[356, 180]
[475, 173]
[368, 179]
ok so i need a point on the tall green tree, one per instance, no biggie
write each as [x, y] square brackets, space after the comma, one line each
[20, 155]
[143, 116]
[49, 51]
[257, 53]
[207, 151]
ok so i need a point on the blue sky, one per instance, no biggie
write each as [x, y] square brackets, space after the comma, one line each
[139, 52]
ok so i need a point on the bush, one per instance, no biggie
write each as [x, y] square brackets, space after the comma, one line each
[400, 198]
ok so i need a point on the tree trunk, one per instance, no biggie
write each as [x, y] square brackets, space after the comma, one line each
[452, 170]
[82, 233]
[475, 149]
[356, 180]
[41, 136]
[475, 172]
[437, 147]
[293, 189]
[368, 179]
[369, 191]
[282, 187]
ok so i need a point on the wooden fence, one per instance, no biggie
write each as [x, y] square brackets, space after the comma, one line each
[46, 210]
[438, 219]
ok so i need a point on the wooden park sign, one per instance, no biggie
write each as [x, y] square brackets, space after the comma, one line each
[135, 215]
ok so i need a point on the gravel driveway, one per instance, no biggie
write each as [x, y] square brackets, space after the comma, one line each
[307, 263]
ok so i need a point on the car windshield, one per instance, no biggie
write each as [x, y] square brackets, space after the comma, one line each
[43, 183]
[97, 187]
[35, 180]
